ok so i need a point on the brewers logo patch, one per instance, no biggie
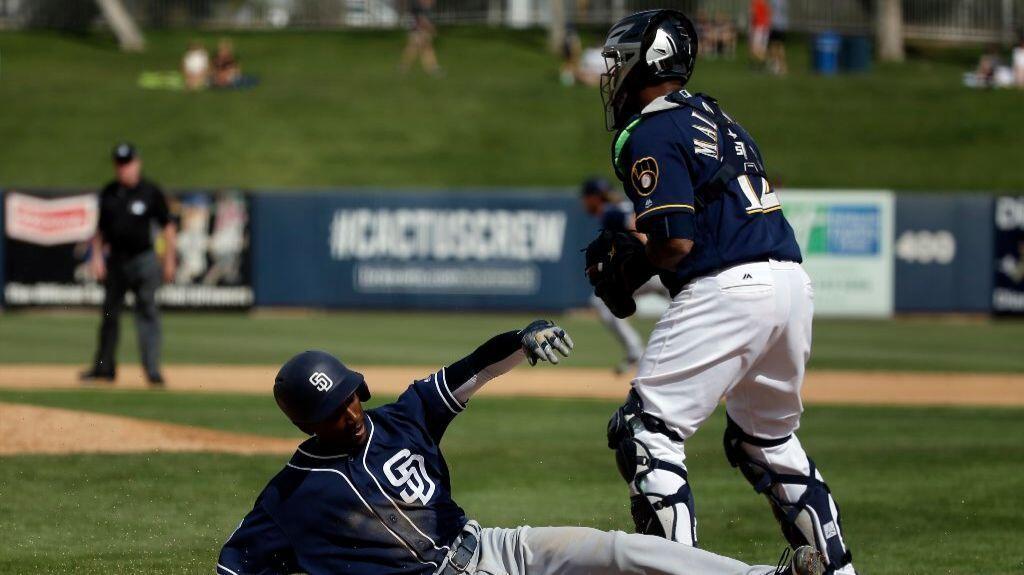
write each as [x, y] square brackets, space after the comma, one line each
[644, 175]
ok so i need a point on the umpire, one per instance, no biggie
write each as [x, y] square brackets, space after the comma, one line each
[129, 207]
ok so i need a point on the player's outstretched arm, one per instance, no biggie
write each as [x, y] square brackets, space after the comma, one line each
[542, 340]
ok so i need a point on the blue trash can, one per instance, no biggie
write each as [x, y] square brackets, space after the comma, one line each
[855, 54]
[825, 58]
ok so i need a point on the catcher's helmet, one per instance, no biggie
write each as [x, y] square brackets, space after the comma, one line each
[643, 49]
[314, 384]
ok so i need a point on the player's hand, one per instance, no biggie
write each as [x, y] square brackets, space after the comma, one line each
[170, 269]
[99, 268]
[542, 338]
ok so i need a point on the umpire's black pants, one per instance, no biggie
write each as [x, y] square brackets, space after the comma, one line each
[141, 275]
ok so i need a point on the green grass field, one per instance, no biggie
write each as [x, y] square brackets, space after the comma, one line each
[923, 491]
[396, 338]
[332, 110]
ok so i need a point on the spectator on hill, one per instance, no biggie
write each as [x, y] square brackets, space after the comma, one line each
[421, 39]
[572, 50]
[777, 37]
[592, 65]
[226, 71]
[195, 66]
[760, 25]
[726, 33]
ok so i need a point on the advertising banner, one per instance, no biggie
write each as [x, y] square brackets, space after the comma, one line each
[445, 250]
[47, 245]
[846, 240]
[943, 253]
[1008, 291]
[1, 247]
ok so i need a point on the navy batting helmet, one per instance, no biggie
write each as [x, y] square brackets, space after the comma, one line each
[314, 384]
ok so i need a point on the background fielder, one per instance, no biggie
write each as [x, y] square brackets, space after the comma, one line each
[739, 325]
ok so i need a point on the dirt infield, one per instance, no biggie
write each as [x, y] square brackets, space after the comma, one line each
[30, 429]
[834, 387]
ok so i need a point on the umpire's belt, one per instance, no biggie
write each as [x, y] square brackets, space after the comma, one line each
[463, 552]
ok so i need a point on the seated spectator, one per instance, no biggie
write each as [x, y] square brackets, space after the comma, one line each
[987, 65]
[195, 66]
[591, 66]
[226, 71]
[726, 35]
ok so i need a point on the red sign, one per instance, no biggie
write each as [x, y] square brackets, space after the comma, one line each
[50, 221]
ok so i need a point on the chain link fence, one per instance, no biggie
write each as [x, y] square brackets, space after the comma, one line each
[942, 20]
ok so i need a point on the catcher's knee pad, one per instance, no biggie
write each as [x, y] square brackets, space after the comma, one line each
[661, 503]
[811, 519]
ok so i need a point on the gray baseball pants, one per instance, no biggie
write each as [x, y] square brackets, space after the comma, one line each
[142, 276]
[586, 551]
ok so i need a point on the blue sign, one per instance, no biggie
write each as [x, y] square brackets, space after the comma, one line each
[1008, 289]
[943, 253]
[446, 250]
[853, 230]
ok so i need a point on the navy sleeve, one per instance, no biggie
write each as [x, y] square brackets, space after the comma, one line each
[438, 398]
[103, 223]
[659, 180]
[257, 547]
[614, 220]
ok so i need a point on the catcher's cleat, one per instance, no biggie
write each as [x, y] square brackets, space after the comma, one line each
[805, 560]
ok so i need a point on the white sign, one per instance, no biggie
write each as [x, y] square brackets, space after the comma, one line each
[48, 222]
[846, 238]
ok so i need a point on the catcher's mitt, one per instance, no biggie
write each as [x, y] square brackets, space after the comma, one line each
[616, 266]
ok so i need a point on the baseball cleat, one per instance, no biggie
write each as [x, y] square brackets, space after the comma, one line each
[92, 376]
[805, 560]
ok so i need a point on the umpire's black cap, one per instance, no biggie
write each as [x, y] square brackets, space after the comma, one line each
[314, 384]
[124, 152]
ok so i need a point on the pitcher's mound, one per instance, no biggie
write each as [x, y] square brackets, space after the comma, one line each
[31, 429]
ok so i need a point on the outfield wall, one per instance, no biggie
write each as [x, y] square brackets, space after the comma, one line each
[871, 253]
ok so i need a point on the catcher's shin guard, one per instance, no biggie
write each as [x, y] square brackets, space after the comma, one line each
[807, 516]
[660, 498]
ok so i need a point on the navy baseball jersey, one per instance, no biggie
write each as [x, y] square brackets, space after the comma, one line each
[385, 508]
[617, 217]
[693, 173]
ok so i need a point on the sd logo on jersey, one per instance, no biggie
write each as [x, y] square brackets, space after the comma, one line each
[408, 471]
[644, 175]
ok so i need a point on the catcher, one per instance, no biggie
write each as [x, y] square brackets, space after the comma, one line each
[739, 325]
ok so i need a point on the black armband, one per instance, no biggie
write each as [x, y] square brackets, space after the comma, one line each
[676, 225]
[491, 352]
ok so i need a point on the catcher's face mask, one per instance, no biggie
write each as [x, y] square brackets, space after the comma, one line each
[643, 49]
[619, 61]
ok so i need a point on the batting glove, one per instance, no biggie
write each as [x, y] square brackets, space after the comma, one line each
[542, 338]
